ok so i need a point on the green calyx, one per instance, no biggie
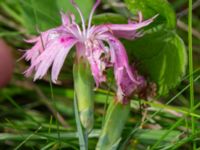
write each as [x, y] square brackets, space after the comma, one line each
[83, 84]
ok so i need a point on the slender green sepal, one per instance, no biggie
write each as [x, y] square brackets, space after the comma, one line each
[83, 84]
[115, 120]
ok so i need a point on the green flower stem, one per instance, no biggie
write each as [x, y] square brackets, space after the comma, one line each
[115, 120]
[191, 68]
[83, 84]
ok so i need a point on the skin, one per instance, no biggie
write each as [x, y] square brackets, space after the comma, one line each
[6, 64]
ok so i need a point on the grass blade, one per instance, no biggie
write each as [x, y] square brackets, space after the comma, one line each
[191, 68]
[81, 134]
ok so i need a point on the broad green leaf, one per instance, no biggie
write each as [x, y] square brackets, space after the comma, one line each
[162, 56]
[109, 18]
[41, 14]
[45, 14]
[150, 8]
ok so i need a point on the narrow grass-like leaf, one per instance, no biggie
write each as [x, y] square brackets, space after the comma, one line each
[192, 101]
[21, 110]
[156, 113]
[46, 147]
[81, 134]
[54, 103]
[23, 142]
[178, 122]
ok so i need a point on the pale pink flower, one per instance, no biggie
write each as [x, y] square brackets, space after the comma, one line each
[98, 44]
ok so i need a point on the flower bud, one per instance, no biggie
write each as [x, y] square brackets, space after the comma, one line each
[115, 120]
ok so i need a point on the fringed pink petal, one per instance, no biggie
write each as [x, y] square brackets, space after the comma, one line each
[95, 54]
[126, 86]
[127, 82]
[41, 62]
[60, 58]
[127, 31]
[40, 43]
